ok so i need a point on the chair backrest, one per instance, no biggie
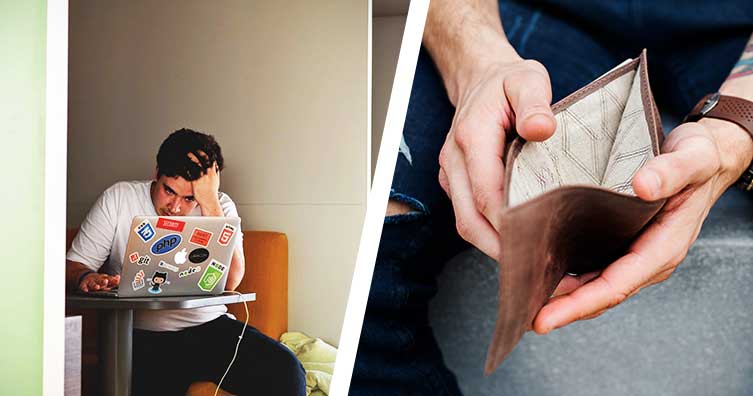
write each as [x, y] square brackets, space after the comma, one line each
[266, 275]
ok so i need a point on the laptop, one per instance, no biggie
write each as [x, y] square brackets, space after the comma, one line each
[176, 256]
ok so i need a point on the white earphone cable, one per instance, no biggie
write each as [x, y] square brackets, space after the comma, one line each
[240, 337]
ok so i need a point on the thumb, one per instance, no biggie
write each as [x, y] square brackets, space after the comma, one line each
[530, 94]
[690, 157]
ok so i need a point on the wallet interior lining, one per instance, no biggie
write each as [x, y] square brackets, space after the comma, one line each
[601, 140]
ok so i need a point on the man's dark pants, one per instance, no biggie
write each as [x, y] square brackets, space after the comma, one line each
[691, 50]
[165, 363]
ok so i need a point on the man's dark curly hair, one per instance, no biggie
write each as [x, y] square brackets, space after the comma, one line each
[172, 157]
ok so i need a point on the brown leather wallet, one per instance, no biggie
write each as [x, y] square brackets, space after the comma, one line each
[569, 205]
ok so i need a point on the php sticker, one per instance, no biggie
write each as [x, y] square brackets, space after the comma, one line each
[198, 255]
[166, 244]
[144, 230]
[134, 257]
[170, 224]
[189, 271]
[212, 275]
[200, 237]
[226, 235]
[171, 267]
[144, 260]
[138, 281]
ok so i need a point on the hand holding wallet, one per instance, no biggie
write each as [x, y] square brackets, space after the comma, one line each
[569, 205]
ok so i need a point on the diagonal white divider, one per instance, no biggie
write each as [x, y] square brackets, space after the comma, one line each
[378, 196]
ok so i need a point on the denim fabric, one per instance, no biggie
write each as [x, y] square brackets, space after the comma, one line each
[167, 362]
[691, 49]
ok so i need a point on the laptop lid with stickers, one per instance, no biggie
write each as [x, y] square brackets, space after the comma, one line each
[178, 256]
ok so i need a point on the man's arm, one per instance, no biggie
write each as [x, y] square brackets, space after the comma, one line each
[700, 161]
[492, 88]
[92, 245]
[205, 191]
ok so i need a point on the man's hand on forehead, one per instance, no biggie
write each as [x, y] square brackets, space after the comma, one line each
[202, 160]
[206, 187]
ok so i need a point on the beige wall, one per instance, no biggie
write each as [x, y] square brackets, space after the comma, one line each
[281, 84]
[388, 25]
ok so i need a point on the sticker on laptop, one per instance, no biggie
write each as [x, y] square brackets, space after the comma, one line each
[138, 281]
[189, 271]
[170, 224]
[133, 257]
[158, 279]
[200, 237]
[180, 257]
[144, 230]
[144, 260]
[226, 235]
[166, 244]
[165, 265]
[212, 275]
[198, 255]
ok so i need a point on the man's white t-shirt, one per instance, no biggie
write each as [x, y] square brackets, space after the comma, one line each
[102, 241]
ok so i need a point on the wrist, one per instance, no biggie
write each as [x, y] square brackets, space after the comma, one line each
[475, 65]
[737, 88]
[735, 147]
[82, 275]
[212, 208]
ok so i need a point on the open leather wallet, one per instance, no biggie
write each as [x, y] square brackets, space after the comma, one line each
[569, 205]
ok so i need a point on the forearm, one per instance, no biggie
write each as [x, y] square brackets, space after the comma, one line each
[212, 208]
[237, 270]
[73, 272]
[735, 144]
[464, 38]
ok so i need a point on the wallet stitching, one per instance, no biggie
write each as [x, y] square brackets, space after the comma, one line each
[594, 86]
[648, 103]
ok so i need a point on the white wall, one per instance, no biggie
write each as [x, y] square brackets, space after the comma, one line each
[281, 84]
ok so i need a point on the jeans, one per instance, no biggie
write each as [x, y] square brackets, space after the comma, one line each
[691, 49]
[167, 362]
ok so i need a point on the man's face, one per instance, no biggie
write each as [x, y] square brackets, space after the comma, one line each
[173, 196]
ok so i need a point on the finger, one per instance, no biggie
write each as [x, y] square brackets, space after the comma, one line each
[571, 282]
[691, 157]
[483, 145]
[444, 182]
[654, 251]
[115, 280]
[204, 158]
[529, 92]
[84, 288]
[203, 155]
[198, 171]
[194, 158]
[471, 225]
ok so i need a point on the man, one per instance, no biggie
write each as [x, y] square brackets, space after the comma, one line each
[173, 348]
[489, 66]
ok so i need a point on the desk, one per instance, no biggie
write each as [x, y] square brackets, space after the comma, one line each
[116, 329]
